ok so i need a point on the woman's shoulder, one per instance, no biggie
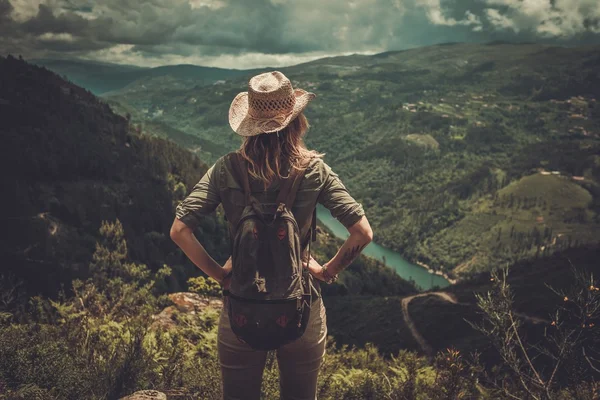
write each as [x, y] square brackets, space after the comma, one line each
[227, 159]
[317, 171]
[226, 162]
[224, 170]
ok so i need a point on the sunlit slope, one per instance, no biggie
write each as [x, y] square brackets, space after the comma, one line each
[532, 216]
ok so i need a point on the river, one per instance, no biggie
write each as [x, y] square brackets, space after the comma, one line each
[404, 268]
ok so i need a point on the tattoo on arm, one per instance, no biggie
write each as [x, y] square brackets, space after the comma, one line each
[350, 255]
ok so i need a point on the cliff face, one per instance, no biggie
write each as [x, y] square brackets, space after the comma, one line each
[68, 163]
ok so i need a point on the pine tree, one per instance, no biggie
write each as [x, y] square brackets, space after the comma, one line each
[111, 253]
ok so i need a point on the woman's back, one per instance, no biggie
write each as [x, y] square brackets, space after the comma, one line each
[319, 185]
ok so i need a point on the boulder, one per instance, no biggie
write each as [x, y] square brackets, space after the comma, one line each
[186, 303]
[146, 395]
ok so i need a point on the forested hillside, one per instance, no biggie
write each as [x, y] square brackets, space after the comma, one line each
[465, 156]
[106, 77]
[70, 163]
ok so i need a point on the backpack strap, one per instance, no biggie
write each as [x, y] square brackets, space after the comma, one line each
[240, 169]
[289, 189]
[313, 226]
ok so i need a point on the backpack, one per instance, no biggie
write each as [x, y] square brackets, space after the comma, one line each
[269, 297]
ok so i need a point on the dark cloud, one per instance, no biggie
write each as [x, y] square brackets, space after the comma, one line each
[5, 9]
[46, 22]
[235, 33]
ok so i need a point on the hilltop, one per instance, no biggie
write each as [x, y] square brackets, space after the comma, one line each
[99, 77]
[440, 144]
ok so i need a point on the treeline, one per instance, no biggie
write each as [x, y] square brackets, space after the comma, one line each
[520, 202]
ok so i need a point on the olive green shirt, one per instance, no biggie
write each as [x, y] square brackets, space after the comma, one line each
[219, 186]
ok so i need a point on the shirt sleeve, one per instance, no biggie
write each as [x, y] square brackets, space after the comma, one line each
[202, 200]
[335, 197]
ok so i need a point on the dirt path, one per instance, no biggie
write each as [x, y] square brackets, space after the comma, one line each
[426, 347]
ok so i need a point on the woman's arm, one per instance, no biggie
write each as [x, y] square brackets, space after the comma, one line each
[335, 197]
[361, 235]
[202, 201]
[183, 236]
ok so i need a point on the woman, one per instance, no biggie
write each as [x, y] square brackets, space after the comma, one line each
[269, 117]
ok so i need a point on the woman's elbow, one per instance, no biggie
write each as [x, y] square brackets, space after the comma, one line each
[178, 229]
[368, 235]
[363, 230]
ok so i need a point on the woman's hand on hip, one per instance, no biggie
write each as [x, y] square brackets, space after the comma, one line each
[314, 268]
[227, 270]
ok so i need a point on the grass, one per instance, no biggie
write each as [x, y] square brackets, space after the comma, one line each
[423, 140]
[559, 191]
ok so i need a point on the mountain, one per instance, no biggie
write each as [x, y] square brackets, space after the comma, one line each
[101, 78]
[465, 156]
[70, 163]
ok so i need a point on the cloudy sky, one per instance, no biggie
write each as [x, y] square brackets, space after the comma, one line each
[257, 33]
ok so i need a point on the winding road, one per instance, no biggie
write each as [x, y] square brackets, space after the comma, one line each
[426, 347]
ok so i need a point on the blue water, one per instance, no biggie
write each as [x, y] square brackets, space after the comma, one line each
[404, 268]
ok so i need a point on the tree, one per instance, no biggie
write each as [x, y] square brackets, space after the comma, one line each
[204, 286]
[570, 349]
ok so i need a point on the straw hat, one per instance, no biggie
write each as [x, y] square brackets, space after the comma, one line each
[268, 106]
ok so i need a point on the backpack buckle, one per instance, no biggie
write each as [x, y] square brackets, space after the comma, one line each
[280, 209]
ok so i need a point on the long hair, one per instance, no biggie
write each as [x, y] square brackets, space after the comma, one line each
[269, 153]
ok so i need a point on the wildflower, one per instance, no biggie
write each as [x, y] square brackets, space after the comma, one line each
[553, 323]
[593, 288]
[566, 298]
[491, 279]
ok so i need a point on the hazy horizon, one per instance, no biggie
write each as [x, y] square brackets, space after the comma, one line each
[100, 62]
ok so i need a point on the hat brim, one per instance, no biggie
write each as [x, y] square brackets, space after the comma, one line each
[245, 125]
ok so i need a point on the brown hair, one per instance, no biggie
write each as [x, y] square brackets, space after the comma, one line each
[269, 153]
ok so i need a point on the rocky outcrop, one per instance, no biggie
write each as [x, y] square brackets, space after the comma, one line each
[146, 395]
[187, 303]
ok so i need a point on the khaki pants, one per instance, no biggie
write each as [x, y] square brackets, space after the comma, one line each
[299, 362]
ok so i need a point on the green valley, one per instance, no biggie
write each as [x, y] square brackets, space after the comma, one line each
[446, 146]
[86, 290]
